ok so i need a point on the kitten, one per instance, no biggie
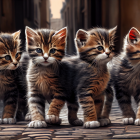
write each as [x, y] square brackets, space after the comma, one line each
[46, 49]
[126, 77]
[12, 78]
[86, 76]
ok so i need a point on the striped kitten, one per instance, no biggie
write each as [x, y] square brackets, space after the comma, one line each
[46, 49]
[126, 77]
[86, 76]
[12, 81]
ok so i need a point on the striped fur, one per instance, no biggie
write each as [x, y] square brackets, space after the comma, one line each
[86, 76]
[126, 77]
[12, 81]
[107, 102]
[46, 49]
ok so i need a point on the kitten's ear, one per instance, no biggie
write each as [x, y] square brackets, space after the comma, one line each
[61, 36]
[112, 31]
[81, 37]
[16, 35]
[30, 34]
[133, 35]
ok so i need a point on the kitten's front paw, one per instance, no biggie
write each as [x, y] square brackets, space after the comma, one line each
[8, 121]
[128, 120]
[137, 122]
[91, 124]
[77, 122]
[104, 122]
[28, 117]
[37, 124]
[52, 119]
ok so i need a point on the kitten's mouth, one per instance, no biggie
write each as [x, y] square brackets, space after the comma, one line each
[45, 62]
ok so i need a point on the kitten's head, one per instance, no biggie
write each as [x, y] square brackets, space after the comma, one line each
[132, 45]
[96, 45]
[45, 46]
[10, 50]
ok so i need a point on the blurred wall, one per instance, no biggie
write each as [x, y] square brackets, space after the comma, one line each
[86, 14]
[78, 14]
[45, 14]
[56, 23]
[124, 13]
[129, 16]
[7, 15]
[16, 14]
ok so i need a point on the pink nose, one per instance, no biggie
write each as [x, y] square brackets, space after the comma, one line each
[15, 64]
[108, 53]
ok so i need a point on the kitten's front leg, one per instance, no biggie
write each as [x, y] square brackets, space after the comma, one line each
[22, 109]
[137, 99]
[10, 106]
[54, 110]
[22, 102]
[99, 102]
[137, 121]
[36, 103]
[124, 101]
[72, 114]
[90, 116]
[107, 106]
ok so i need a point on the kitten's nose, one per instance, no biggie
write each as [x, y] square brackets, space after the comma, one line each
[45, 58]
[15, 64]
[108, 53]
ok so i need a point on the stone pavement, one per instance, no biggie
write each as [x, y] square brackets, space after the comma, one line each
[116, 130]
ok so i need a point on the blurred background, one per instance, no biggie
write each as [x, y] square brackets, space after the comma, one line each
[75, 14]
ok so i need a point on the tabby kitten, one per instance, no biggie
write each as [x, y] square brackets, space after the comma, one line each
[126, 77]
[46, 49]
[86, 76]
[12, 81]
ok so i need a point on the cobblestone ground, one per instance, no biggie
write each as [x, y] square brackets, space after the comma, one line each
[116, 130]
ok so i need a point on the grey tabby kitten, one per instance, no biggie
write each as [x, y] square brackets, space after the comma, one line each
[46, 48]
[12, 78]
[125, 76]
[84, 78]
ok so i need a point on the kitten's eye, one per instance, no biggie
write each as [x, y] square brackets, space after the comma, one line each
[110, 48]
[8, 57]
[100, 48]
[39, 50]
[52, 51]
[17, 55]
